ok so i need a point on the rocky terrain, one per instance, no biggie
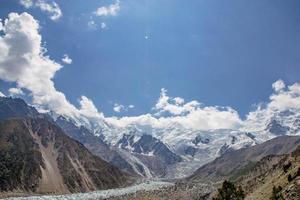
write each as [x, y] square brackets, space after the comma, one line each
[234, 164]
[274, 175]
[96, 145]
[180, 191]
[274, 169]
[36, 156]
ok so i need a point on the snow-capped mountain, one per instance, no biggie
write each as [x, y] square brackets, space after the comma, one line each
[149, 146]
[177, 151]
[170, 151]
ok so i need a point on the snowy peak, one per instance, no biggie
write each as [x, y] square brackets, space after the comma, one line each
[127, 142]
[200, 139]
[276, 128]
[149, 146]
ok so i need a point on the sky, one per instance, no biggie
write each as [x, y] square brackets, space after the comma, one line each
[128, 55]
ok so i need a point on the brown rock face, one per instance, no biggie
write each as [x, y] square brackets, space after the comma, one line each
[36, 156]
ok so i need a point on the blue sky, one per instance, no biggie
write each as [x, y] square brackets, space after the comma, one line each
[225, 53]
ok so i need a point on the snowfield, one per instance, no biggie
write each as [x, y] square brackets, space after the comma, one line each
[101, 194]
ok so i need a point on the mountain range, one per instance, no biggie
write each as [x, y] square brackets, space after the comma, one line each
[56, 154]
[144, 151]
[173, 151]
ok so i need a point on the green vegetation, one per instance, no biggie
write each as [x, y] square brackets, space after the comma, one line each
[230, 192]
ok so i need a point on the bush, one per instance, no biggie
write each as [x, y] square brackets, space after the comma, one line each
[276, 195]
[230, 192]
[290, 178]
[286, 167]
[298, 172]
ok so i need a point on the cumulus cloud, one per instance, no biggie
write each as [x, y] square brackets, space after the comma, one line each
[174, 106]
[88, 109]
[27, 3]
[189, 115]
[119, 107]
[15, 91]
[2, 95]
[283, 99]
[23, 60]
[110, 10]
[66, 59]
[49, 7]
[278, 85]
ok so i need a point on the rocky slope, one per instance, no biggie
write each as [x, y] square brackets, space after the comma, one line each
[37, 156]
[95, 144]
[277, 175]
[143, 155]
[133, 162]
[260, 170]
[234, 164]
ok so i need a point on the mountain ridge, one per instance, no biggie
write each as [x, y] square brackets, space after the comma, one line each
[38, 157]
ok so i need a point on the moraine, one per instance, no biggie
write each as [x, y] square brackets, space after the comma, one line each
[102, 194]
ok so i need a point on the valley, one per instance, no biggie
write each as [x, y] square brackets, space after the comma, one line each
[64, 166]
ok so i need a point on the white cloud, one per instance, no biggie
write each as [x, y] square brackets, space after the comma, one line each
[112, 10]
[278, 85]
[178, 100]
[2, 95]
[284, 98]
[190, 115]
[66, 59]
[119, 107]
[88, 109]
[103, 25]
[15, 91]
[23, 60]
[26, 3]
[174, 106]
[49, 7]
